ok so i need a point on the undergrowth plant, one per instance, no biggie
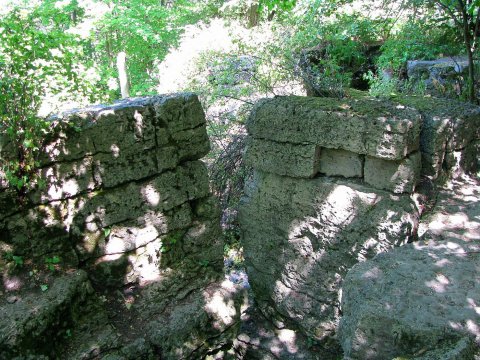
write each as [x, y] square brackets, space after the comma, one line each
[36, 54]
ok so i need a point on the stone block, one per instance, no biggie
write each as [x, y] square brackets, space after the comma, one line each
[66, 144]
[178, 112]
[448, 126]
[341, 163]
[366, 126]
[127, 199]
[415, 300]
[122, 131]
[396, 176]
[110, 171]
[39, 231]
[192, 144]
[162, 202]
[287, 159]
[64, 180]
[300, 237]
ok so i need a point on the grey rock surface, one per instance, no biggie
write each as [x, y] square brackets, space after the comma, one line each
[413, 299]
[301, 236]
[450, 132]
[396, 176]
[26, 324]
[260, 339]
[341, 163]
[296, 160]
[364, 126]
[127, 200]
[419, 301]
[439, 77]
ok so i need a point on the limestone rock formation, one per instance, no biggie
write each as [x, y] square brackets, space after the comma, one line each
[332, 188]
[335, 185]
[418, 301]
[365, 126]
[450, 136]
[127, 201]
[301, 236]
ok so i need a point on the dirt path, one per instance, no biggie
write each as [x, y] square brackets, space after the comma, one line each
[456, 214]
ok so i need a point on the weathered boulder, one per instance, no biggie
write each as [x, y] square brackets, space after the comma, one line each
[301, 236]
[440, 77]
[31, 323]
[417, 301]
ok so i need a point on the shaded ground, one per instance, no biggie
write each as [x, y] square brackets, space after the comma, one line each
[456, 212]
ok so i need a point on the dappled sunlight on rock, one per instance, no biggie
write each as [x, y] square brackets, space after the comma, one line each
[421, 288]
[146, 264]
[288, 338]
[372, 273]
[223, 310]
[473, 305]
[115, 150]
[321, 229]
[473, 327]
[12, 283]
[151, 195]
[127, 199]
[440, 284]
[124, 239]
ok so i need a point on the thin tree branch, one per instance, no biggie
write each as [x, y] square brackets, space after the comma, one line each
[449, 12]
[476, 29]
[235, 98]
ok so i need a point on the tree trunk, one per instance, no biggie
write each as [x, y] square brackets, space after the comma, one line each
[252, 15]
[122, 74]
[471, 74]
[468, 44]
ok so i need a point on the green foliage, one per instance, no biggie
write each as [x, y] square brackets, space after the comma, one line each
[36, 54]
[419, 41]
[381, 86]
[328, 51]
[16, 259]
[204, 263]
[51, 262]
[277, 5]
[46, 51]
[145, 30]
[107, 232]
[169, 241]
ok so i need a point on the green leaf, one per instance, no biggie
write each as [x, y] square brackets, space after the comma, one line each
[44, 287]
[18, 260]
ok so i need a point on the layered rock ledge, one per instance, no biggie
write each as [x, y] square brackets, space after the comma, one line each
[126, 199]
[336, 184]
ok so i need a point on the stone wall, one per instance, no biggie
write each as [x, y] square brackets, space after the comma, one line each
[127, 200]
[334, 185]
